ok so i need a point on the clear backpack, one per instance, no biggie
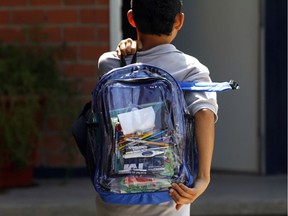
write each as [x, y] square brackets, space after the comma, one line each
[137, 135]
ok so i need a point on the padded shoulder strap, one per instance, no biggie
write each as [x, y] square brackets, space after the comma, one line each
[79, 129]
[209, 87]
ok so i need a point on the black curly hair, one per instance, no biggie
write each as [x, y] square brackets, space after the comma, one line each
[155, 16]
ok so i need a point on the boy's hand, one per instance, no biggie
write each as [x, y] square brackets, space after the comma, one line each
[183, 195]
[128, 47]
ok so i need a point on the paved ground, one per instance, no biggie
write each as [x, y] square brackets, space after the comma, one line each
[232, 195]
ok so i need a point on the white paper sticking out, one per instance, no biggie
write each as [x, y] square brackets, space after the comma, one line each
[137, 120]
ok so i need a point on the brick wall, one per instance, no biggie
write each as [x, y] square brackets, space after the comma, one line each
[84, 26]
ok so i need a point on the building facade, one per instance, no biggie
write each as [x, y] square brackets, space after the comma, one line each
[242, 40]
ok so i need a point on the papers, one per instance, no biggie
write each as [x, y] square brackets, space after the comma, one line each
[137, 120]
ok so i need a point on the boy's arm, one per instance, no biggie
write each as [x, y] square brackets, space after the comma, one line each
[204, 131]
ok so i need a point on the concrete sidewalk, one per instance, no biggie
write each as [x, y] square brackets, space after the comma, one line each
[227, 195]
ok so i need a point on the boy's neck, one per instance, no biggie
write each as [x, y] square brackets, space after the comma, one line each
[149, 41]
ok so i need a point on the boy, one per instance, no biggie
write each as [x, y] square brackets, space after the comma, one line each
[157, 23]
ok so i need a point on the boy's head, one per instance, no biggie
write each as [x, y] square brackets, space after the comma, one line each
[155, 17]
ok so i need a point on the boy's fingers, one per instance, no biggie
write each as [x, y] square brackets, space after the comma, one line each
[178, 206]
[128, 47]
[124, 47]
[118, 51]
[190, 191]
[134, 47]
[182, 190]
[121, 49]
[177, 197]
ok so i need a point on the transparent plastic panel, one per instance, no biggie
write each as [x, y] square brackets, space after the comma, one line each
[142, 151]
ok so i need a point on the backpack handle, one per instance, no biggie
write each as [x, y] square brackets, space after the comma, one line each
[123, 61]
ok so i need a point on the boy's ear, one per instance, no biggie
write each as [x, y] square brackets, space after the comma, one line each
[130, 18]
[179, 21]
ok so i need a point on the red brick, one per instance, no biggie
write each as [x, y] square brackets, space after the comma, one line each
[50, 142]
[12, 2]
[78, 159]
[103, 34]
[52, 34]
[75, 85]
[76, 34]
[71, 53]
[45, 2]
[11, 35]
[4, 17]
[40, 159]
[62, 16]
[56, 154]
[80, 70]
[28, 16]
[79, 2]
[88, 86]
[44, 34]
[92, 52]
[102, 2]
[61, 157]
[95, 16]
[56, 125]
[52, 124]
[57, 159]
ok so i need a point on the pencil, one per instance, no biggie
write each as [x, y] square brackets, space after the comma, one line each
[148, 142]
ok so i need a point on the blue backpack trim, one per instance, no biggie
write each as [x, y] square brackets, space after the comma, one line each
[208, 87]
[142, 198]
[135, 198]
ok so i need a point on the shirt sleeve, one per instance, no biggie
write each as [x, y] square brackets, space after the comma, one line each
[197, 101]
[107, 62]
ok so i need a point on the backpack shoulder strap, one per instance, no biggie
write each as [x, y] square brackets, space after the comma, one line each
[79, 129]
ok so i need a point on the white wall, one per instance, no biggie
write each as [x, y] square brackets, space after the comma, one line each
[224, 35]
[115, 23]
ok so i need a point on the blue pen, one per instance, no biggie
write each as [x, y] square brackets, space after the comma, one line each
[156, 134]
